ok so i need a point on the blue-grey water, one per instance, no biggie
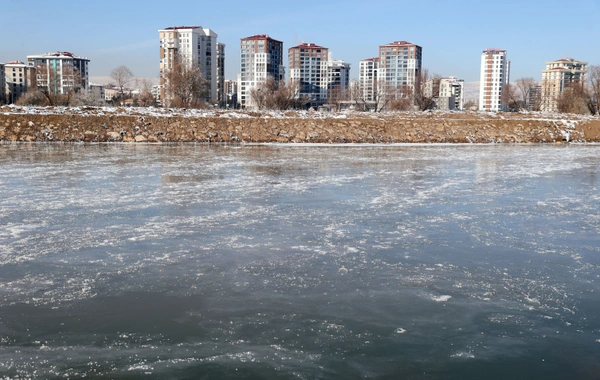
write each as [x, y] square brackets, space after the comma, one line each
[299, 262]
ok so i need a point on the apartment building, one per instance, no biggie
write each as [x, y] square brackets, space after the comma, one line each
[494, 75]
[220, 73]
[534, 102]
[231, 93]
[367, 79]
[557, 76]
[451, 96]
[60, 72]
[261, 57]
[399, 65]
[338, 79]
[308, 64]
[2, 84]
[193, 46]
[96, 91]
[19, 78]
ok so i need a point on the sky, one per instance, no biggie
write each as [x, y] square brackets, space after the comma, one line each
[452, 33]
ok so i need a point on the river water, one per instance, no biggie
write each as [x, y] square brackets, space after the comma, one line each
[298, 261]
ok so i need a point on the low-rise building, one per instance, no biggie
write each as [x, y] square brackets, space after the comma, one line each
[451, 96]
[19, 78]
[97, 91]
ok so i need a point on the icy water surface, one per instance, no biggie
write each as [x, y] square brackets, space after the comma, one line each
[307, 262]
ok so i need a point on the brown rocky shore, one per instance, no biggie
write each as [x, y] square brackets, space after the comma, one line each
[89, 124]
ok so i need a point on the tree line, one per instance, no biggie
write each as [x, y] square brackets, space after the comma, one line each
[575, 97]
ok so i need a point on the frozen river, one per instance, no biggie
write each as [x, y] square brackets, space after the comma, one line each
[279, 262]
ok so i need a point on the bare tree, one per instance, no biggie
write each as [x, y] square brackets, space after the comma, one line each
[277, 95]
[336, 95]
[186, 86]
[593, 89]
[33, 97]
[86, 98]
[58, 86]
[121, 76]
[426, 90]
[510, 97]
[145, 98]
[261, 92]
[357, 96]
[573, 99]
[383, 94]
[525, 87]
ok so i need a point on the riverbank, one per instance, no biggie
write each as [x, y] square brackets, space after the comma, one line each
[108, 124]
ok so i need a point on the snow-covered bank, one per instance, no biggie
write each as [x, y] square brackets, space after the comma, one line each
[105, 124]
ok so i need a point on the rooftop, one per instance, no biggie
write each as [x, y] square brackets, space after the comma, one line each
[494, 50]
[58, 54]
[306, 45]
[400, 43]
[260, 37]
[182, 27]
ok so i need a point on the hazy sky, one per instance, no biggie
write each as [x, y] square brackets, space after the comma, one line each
[452, 33]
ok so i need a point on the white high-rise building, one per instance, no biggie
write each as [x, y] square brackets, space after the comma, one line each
[60, 72]
[494, 75]
[367, 79]
[261, 57]
[193, 45]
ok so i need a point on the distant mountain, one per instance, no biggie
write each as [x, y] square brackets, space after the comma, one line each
[471, 90]
[106, 80]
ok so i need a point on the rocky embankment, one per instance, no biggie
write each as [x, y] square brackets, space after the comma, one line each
[163, 125]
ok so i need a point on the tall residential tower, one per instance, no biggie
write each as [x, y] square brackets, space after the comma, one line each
[399, 65]
[308, 67]
[261, 57]
[367, 79]
[558, 76]
[494, 75]
[192, 45]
